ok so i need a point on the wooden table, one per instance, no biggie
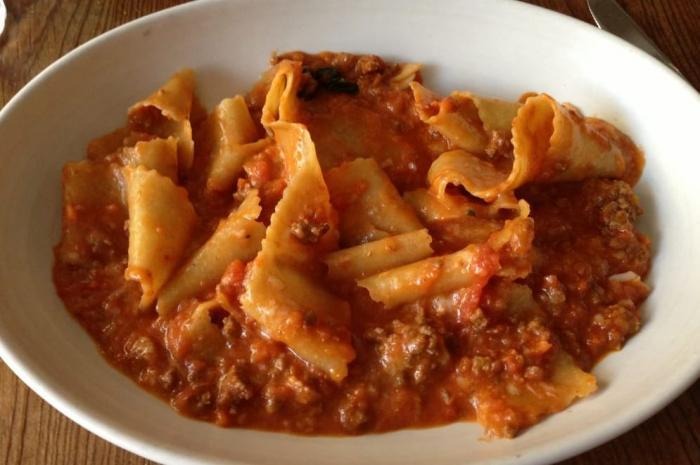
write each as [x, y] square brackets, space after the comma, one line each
[38, 32]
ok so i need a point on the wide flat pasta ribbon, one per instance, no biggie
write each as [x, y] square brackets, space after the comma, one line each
[468, 121]
[456, 221]
[282, 291]
[237, 237]
[506, 253]
[380, 228]
[167, 112]
[472, 266]
[554, 142]
[405, 75]
[281, 102]
[156, 154]
[232, 138]
[369, 205]
[551, 143]
[432, 208]
[161, 220]
[191, 332]
[380, 255]
[91, 191]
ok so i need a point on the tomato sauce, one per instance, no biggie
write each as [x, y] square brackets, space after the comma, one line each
[459, 356]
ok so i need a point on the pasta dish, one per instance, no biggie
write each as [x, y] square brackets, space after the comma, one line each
[344, 251]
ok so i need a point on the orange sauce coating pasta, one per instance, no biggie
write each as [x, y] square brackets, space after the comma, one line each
[505, 350]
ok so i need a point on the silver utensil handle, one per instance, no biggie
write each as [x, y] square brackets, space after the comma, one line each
[611, 17]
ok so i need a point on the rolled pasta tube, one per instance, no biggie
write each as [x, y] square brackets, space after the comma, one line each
[237, 237]
[161, 220]
[472, 266]
[373, 257]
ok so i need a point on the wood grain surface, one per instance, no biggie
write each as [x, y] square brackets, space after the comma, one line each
[38, 32]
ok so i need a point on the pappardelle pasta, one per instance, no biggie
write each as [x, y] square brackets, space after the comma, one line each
[342, 250]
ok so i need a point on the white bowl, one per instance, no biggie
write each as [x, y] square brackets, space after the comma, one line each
[499, 48]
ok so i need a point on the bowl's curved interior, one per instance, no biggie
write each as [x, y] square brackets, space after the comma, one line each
[496, 48]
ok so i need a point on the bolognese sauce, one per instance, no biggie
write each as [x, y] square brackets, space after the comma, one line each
[505, 350]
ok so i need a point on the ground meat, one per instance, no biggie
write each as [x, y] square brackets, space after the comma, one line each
[197, 399]
[168, 378]
[232, 389]
[232, 281]
[231, 329]
[196, 371]
[303, 393]
[368, 64]
[159, 378]
[141, 348]
[612, 325]
[259, 169]
[351, 67]
[613, 203]
[288, 389]
[307, 86]
[353, 410]
[309, 231]
[499, 145]
[554, 293]
[583, 238]
[410, 351]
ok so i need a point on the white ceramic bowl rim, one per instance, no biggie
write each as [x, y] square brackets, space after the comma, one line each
[31, 373]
